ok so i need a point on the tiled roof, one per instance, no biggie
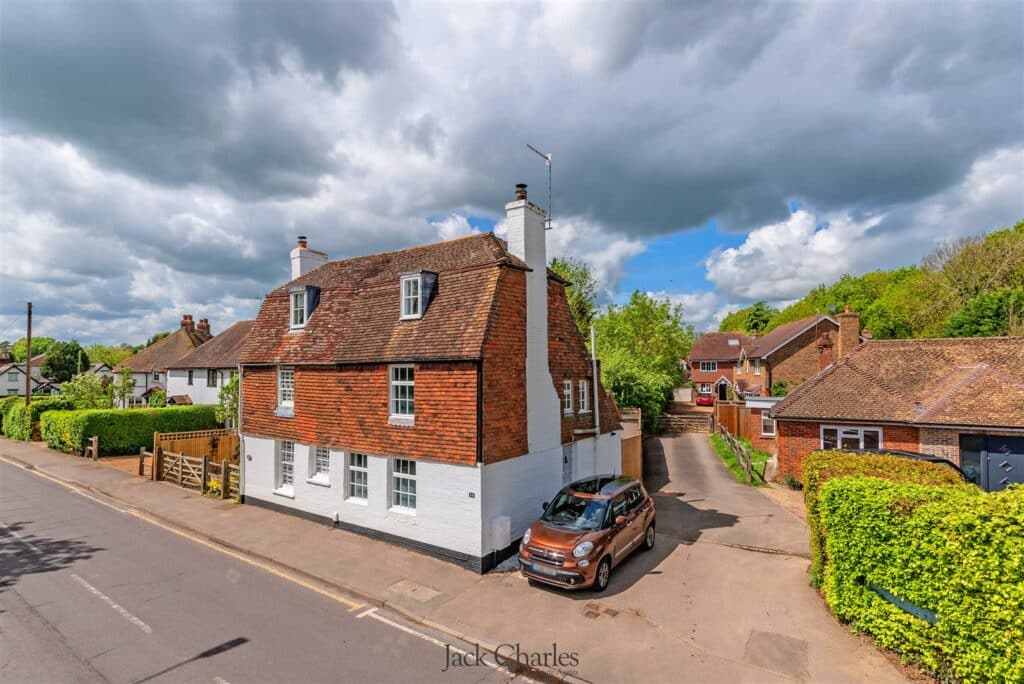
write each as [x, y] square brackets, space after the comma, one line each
[762, 345]
[164, 352]
[357, 319]
[715, 346]
[223, 351]
[962, 381]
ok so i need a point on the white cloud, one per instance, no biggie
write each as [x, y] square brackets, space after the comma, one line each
[703, 310]
[453, 226]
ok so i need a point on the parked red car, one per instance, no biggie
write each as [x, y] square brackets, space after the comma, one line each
[705, 399]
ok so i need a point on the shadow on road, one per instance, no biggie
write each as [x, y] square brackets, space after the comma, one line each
[26, 554]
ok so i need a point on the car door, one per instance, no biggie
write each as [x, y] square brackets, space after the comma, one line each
[622, 535]
[634, 516]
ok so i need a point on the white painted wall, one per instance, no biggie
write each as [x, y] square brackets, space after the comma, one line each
[198, 391]
[445, 514]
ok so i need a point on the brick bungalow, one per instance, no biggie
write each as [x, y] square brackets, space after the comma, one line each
[434, 396]
[959, 399]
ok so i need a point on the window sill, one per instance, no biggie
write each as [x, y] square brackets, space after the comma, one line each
[356, 501]
[410, 318]
[402, 421]
[296, 328]
[319, 481]
[284, 412]
[402, 510]
[287, 492]
[585, 413]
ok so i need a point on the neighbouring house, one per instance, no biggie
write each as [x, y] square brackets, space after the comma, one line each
[435, 396]
[101, 369]
[713, 359]
[149, 366]
[959, 399]
[12, 378]
[761, 428]
[198, 377]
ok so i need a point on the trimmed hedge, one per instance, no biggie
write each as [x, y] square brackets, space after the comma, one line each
[954, 551]
[821, 466]
[121, 431]
[6, 403]
[19, 422]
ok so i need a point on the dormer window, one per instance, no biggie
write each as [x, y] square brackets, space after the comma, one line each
[298, 308]
[412, 296]
[302, 302]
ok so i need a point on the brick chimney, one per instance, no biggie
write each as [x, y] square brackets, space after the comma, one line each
[187, 323]
[305, 259]
[204, 325]
[527, 240]
[824, 347]
[849, 332]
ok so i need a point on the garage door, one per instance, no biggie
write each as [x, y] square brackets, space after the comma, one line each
[995, 461]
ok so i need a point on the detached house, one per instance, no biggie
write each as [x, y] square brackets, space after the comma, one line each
[958, 399]
[435, 396]
[149, 366]
[713, 360]
[198, 376]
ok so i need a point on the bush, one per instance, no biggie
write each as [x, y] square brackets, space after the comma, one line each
[821, 466]
[19, 422]
[121, 431]
[954, 551]
[5, 405]
[157, 399]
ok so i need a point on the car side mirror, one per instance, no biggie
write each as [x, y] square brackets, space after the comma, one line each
[620, 520]
[544, 506]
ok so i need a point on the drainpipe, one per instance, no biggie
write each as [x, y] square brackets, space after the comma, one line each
[595, 382]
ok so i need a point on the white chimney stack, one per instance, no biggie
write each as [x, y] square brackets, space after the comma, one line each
[305, 259]
[527, 240]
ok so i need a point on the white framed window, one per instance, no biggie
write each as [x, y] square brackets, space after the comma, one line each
[757, 366]
[567, 397]
[705, 387]
[402, 387]
[320, 465]
[838, 437]
[298, 309]
[583, 400]
[12, 392]
[708, 366]
[286, 386]
[211, 378]
[285, 466]
[156, 376]
[403, 484]
[412, 300]
[358, 476]
[190, 377]
[767, 425]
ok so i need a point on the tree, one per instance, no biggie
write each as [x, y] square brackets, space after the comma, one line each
[990, 314]
[155, 338]
[108, 354]
[124, 387]
[64, 360]
[89, 391]
[157, 399]
[39, 346]
[227, 401]
[581, 291]
[753, 320]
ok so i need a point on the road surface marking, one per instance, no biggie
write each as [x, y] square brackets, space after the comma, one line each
[368, 611]
[219, 680]
[113, 604]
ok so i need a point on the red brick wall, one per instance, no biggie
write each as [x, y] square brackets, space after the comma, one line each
[504, 365]
[797, 439]
[568, 359]
[725, 368]
[798, 360]
[757, 440]
[346, 407]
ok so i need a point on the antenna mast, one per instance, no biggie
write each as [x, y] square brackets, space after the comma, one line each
[547, 162]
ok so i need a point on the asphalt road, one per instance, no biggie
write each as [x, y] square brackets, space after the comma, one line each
[92, 594]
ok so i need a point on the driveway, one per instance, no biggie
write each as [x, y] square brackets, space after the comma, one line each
[699, 500]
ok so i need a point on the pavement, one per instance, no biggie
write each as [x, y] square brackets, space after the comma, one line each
[722, 597]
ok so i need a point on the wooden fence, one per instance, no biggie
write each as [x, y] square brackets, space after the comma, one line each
[734, 416]
[742, 453]
[190, 472]
[217, 445]
[632, 444]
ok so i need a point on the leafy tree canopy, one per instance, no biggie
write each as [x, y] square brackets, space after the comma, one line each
[39, 346]
[753, 320]
[109, 354]
[64, 360]
[155, 338]
[989, 314]
[89, 391]
[581, 292]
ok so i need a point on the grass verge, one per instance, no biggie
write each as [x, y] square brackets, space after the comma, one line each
[757, 461]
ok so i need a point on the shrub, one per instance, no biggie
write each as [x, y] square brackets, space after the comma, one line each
[821, 466]
[121, 431]
[19, 422]
[5, 405]
[157, 399]
[954, 551]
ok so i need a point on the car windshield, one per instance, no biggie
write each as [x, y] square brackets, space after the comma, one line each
[569, 510]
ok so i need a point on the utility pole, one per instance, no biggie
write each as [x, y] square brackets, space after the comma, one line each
[28, 357]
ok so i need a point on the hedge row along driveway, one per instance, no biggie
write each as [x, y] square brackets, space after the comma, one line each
[121, 431]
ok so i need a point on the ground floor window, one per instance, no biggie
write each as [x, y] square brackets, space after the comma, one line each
[285, 464]
[705, 387]
[358, 478]
[834, 437]
[321, 463]
[403, 483]
[767, 425]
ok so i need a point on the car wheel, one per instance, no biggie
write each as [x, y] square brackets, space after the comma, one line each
[649, 538]
[603, 575]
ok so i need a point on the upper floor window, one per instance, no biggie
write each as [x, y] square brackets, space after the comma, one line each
[584, 396]
[709, 366]
[412, 297]
[211, 378]
[298, 309]
[190, 376]
[757, 366]
[12, 376]
[567, 397]
[285, 386]
[156, 376]
[402, 389]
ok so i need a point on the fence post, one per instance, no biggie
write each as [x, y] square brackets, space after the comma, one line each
[158, 457]
[156, 441]
[225, 479]
[181, 469]
[205, 474]
[142, 461]
[95, 447]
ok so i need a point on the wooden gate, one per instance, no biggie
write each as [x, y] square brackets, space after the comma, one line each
[216, 445]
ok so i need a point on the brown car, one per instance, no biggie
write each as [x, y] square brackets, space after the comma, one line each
[591, 526]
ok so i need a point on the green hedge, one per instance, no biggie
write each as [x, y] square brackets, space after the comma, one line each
[821, 466]
[121, 431]
[19, 422]
[5, 405]
[954, 551]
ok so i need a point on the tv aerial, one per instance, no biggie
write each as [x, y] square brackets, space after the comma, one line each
[547, 162]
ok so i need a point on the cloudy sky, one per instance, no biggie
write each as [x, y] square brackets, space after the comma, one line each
[160, 157]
